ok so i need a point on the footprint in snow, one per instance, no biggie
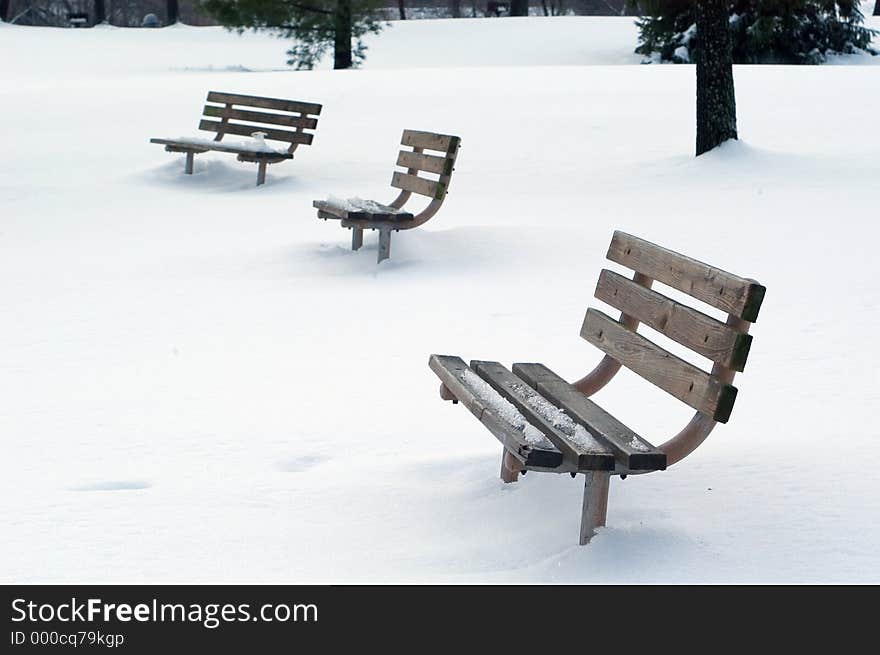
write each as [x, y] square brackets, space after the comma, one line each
[114, 485]
[300, 463]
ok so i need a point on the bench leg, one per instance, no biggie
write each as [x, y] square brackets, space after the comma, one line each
[384, 244]
[261, 173]
[510, 467]
[595, 504]
[188, 168]
[357, 238]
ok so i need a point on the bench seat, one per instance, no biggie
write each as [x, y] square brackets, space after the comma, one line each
[542, 422]
[359, 210]
[205, 145]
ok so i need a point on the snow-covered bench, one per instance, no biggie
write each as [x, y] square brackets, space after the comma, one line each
[359, 215]
[237, 117]
[547, 424]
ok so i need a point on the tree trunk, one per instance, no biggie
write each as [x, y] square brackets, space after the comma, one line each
[519, 7]
[401, 5]
[172, 12]
[877, 8]
[4, 10]
[100, 12]
[716, 101]
[342, 36]
[456, 8]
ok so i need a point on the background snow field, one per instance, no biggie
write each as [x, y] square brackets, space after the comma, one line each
[200, 382]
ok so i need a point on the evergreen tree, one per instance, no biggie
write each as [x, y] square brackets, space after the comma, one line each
[519, 7]
[4, 9]
[716, 103]
[314, 25]
[172, 12]
[761, 31]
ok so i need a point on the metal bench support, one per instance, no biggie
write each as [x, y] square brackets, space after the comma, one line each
[595, 504]
[189, 163]
[357, 238]
[261, 172]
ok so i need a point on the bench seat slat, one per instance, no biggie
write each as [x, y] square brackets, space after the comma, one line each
[576, 445]
[430, 141]
[689, 327]
[474, 394]
[720, 289]
[703, 392]
[632, 452]
[278, 104]
[246, 130]
[261, 117]
[427, 163]
[183, 146]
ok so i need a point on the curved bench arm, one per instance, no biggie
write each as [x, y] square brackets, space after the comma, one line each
[695, 432]
[428, 212]
[608, 367]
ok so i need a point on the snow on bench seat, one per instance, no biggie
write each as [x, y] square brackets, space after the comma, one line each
[359, 209]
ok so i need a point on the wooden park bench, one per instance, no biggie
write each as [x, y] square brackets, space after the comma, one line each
[230, 113]
[359, 215]
[547, 424]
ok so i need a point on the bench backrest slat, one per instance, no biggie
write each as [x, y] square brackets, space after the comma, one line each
[248, 130]
[733, 294]
[429, 141]
[286, 120]
[699, 332]
[277, 104]
[419, 185]
[427, 163]
[702, 391]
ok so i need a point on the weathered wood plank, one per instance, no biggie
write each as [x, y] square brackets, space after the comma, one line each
[677, 377]
[177, 146]
[576, 444]
[689, 327]
[430, 140]
[418, 185]
[182, 146]
[633, 453]
[473, 393]
[247, 130]
[427, 163]
[261, 117]
[594, 510]
[731, 293]
[279, 104]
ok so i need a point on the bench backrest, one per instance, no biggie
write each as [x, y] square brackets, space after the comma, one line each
[237, 114]
[725, 343]
[416, 160]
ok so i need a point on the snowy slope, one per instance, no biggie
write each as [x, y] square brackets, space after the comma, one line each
[201, 382]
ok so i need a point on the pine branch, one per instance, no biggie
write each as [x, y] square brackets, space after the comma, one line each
[316, 10]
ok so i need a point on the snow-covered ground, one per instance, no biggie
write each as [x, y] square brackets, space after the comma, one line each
[200, 382]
